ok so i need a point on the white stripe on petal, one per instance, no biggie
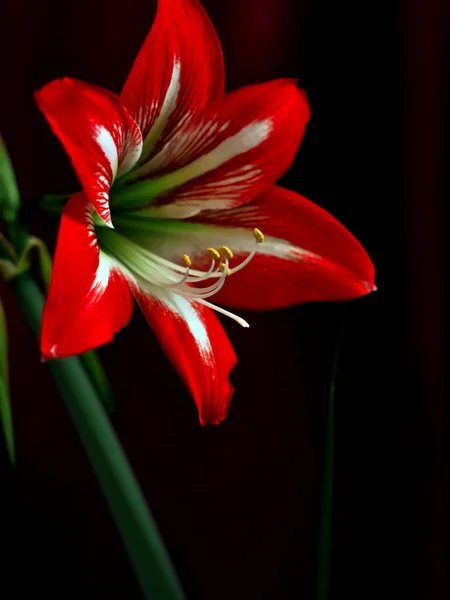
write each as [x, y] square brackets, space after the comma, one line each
[131, 149]
[105, 140]
[185, 310]
[105, 265]
[172, 211]
[169, 105]
[193, 141]
[238, 239]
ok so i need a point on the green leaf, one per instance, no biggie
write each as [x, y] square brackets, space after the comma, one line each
[5, 404]
[135, 523]
[9, 193]
[53, 204]
[99, 380]
[6, 248]
[45, 260]
[9, 269]
[3, 347]
[325, 525]
[6, 418]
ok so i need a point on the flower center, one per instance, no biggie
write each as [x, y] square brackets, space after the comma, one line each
[150, 270]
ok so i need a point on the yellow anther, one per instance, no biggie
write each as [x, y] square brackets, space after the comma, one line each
[186, 260]
[258, 235]
[223, 266]
[212, 252]
[225, 252]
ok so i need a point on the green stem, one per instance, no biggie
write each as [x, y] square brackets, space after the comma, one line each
[134, 521]
[325, 526]
[5, 405]
[6, 421]
[93, 367]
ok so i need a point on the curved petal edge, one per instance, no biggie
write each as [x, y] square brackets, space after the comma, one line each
[89, 299]
[198, 347]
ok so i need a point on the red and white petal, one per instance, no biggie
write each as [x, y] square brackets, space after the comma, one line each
[232, 151]
[178, 69]
[89, 300]
[98, 133]
[198, 347]
[307, 254]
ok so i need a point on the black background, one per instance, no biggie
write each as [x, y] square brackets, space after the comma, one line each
[238, 504]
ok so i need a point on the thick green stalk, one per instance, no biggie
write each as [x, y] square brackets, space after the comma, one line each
[134, 521]
[6, 421]
[93, 367]
[5, 404]
[325, 525]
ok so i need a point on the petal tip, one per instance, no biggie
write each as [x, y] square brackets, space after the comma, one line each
[48, 92]
[369, 287]
[215, 417]
[299, 94]
[212, 420]
[48, 353]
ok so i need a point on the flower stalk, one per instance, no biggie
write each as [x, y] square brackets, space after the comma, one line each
[139, 533]
[5, 404]
[326, 515]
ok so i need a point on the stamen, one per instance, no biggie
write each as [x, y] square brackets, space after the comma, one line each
[225, 252]
[258, 235]
[213, 253]
[186, 260]
[150, 269]
[227, 313]
[206, 275]
[245, 262]
[206, 292]
[224, 268]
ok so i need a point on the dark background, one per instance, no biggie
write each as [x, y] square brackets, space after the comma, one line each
[238, 504]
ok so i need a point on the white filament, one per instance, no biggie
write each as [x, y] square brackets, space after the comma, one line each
[150, 269]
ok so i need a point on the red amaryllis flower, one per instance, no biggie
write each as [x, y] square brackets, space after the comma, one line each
[176, 176]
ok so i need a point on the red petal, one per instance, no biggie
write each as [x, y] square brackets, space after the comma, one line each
[198, 347]
[232, 151]
[307, 254]
[178, 69]
[89, 300]
[335, 266]
[98, 133]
